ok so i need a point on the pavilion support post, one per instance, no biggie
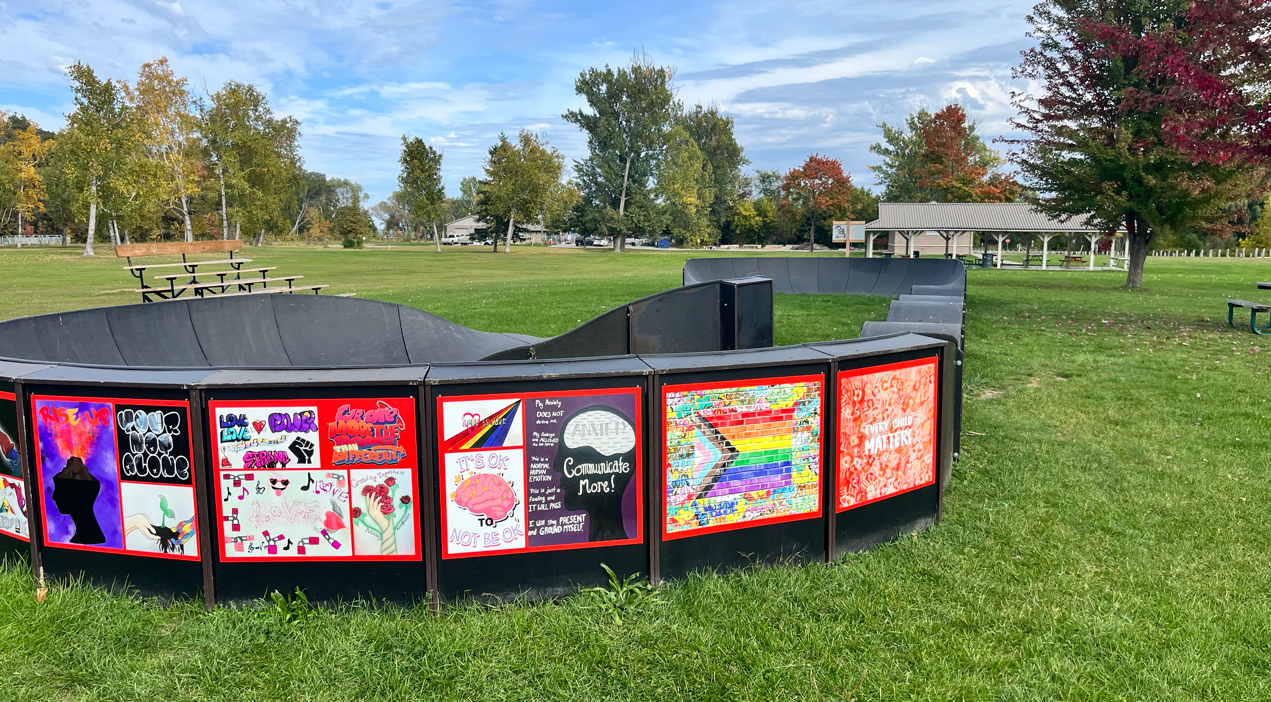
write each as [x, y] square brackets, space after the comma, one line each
[869, 244]
[1093, 238]
[1000, 238]
[1046, 249]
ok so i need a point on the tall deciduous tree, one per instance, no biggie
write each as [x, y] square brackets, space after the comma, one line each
[422, 192]
[686, 186]
[170, 140]
[631, 109]
[712, 131]
[95, 142]
[1097, 144]
[819, 190]
[952, 169]
[522, 178]
[254, 156]
[27, 151]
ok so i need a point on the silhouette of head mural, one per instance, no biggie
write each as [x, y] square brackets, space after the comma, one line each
[75, 493]
[596, 461]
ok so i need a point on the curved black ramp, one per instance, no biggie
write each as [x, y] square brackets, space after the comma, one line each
[238, 331]
[606, 335]
[891, 277]
[933, 312]
[431, 339]
[804, 274]
[156, 335]
[779, 271]
[745, 267]
[832, 275]
[931, 298]
[951, 289]
[83, 336]
[952, 332]
[723, 268]
[18, 340]
[317, 331]
[864, 274]
[679, 321]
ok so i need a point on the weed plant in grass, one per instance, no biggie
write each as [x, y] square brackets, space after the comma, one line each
[1105, 533]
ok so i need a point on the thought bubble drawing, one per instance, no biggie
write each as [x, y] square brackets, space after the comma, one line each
[487, 496]
[608, 433]
[595, 466]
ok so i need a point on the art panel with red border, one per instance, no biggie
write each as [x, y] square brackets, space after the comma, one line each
[13, 507]
[741, 453]
[886, 431]
[313, 480]
[542, 471]
[115, 475]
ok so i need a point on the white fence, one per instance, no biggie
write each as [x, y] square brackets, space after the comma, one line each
[41, 240]
[1215, 253]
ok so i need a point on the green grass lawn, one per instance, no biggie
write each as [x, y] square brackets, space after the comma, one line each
[1106, 534]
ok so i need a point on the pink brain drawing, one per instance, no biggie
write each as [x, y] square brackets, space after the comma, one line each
[487, 495]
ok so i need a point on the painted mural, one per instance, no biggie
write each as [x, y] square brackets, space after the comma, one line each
[114, 475]
[741, 453]
[886, 431]
[317, 479]
[540, 471]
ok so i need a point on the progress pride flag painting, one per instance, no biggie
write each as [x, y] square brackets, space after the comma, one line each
[886, 432]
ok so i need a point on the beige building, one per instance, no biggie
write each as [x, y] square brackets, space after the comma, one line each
[474, 229]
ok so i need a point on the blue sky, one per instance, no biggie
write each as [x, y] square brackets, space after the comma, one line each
[797, 76]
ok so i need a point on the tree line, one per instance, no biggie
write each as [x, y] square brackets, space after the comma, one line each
[151, 160]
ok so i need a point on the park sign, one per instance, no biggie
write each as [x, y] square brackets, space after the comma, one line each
[843, 231]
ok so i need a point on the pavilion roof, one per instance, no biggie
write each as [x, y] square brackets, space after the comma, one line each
[974, 217]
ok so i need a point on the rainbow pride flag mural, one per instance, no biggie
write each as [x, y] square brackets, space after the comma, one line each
[489, 432]
[741, 453]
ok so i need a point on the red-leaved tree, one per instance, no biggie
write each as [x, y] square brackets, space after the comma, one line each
[952, 167]
[819, 189]
[1099, 143]
[1216, 61]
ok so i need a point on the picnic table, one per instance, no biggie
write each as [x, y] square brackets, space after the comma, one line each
[1070, 260]
[1254, 308]
[1034, 257]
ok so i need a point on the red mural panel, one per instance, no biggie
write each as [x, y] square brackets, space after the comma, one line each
[886, 431]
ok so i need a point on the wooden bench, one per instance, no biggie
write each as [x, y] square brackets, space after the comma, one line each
[1253, 307]
[229, 280]
[271, 291]
[176, 248]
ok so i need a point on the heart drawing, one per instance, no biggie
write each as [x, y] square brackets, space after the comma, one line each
[258, 426]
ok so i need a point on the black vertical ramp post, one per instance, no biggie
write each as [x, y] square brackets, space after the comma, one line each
[202, 496]
[33, 524]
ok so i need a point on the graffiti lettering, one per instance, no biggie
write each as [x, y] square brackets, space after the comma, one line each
[229, 421]
[72, 415]
[297, 423]
[266, 459]
[235, 434]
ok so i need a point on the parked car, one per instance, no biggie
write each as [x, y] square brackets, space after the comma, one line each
[455, 240]
[582, 241]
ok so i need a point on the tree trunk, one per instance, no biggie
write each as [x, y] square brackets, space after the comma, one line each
[811, 232]
[66, 234]
[260, 238]
[1140, 241]
[436, 237]
[92, 220]
[238, 231]
[185, 215]
[224, 219]
[507, 243]
[127, 239]
[19, 229]
[620, 241]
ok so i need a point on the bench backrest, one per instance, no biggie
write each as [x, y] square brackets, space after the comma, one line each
[170, 248]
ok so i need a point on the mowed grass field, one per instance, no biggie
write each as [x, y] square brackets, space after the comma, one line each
[1106, 534]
